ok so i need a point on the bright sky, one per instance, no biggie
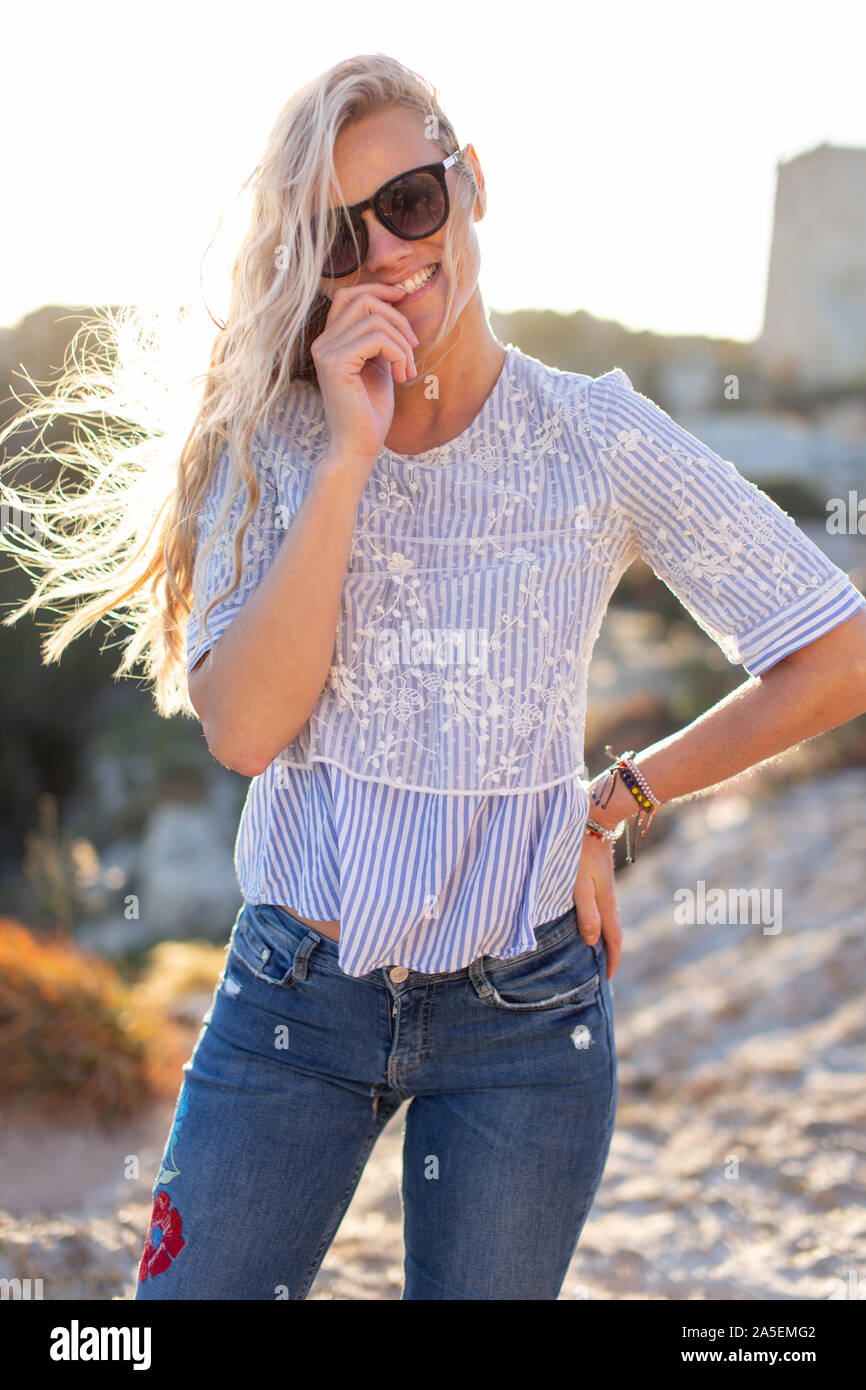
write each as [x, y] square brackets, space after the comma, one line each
[629, 149]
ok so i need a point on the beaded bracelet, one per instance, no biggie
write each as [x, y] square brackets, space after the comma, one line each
[604, 832]
[630, 774]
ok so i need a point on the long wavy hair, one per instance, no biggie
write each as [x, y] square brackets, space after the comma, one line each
[120, 545]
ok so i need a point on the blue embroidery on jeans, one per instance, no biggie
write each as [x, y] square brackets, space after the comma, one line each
[170, 1169]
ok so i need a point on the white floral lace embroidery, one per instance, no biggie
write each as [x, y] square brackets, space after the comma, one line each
[729, 552]
[493, 539]
[480, 572]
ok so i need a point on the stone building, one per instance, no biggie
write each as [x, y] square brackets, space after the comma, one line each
[815, 317]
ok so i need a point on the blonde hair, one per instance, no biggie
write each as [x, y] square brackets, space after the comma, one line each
[121, 545]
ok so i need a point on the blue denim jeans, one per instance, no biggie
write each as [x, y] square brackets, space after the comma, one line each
[510, 1071]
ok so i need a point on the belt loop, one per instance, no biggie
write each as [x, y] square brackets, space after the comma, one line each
[302, 956]
[478, 978]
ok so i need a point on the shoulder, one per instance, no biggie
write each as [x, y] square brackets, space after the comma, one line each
[613, 390]
[295, 425]
[556, 386]
[612, 384]
[623, 419]
[532, 377]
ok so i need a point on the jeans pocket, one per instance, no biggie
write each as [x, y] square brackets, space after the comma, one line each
[266, 952]
[563, 973]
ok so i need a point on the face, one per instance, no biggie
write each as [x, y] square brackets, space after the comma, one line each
[366, 154]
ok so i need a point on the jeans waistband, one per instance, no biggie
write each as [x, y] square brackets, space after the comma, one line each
[293, 931]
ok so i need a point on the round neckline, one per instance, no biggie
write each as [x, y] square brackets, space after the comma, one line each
[468, 435]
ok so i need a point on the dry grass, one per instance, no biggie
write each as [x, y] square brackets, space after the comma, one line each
[75, 1040]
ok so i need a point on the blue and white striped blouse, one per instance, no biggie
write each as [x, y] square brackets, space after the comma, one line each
[434, 837]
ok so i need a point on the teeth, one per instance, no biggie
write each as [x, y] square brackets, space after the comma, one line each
[418, 280]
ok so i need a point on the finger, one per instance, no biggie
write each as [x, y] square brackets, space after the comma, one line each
[355, 309]
[382, 323]
[346, 292]
[588, 915]
[360, 342]
[602, 886]
[343, 334]
[611, 930]
[352, 301]
[355, 349]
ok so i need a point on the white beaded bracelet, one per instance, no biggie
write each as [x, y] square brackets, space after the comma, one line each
[604, 832]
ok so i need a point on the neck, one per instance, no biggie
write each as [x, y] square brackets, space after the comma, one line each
[453, 382]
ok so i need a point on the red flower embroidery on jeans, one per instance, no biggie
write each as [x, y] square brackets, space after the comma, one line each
[164, 1239]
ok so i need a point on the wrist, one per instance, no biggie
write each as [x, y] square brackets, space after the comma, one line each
[615, 796]
[344, 456]
[618, 808]
[343, 475]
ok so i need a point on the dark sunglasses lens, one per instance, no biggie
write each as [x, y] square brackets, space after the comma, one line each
[414, 204]
[346, 251]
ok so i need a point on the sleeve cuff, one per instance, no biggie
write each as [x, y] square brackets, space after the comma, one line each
[798, 624]
[221, 618]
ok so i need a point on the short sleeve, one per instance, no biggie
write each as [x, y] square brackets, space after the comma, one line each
[214, 573]
[748, 575]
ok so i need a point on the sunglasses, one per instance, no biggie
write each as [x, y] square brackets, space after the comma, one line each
[412, 206]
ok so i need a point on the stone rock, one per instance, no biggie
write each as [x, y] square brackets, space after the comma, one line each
[186, 879]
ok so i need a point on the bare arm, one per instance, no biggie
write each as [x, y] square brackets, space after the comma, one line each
[814, 688]
[255, 688]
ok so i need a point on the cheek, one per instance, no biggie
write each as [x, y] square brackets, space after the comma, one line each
[466, 275]
[469, 263]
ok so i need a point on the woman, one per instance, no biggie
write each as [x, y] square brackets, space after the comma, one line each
[404, 537]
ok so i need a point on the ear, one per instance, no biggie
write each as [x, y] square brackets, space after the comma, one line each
[481, 200]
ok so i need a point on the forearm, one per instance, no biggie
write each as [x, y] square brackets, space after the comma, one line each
[266, 672]
[793, 701]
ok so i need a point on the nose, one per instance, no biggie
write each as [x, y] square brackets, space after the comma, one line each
[383, 243]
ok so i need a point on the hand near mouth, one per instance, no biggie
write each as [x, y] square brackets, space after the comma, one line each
[365, 347]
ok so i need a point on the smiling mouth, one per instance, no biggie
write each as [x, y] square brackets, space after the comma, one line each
[419, 280]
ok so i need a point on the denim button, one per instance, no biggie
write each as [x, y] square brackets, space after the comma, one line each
[398, 974]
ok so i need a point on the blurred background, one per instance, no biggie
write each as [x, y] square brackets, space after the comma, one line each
[678, 192]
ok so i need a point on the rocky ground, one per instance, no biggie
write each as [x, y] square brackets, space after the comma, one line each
[738, 1166]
